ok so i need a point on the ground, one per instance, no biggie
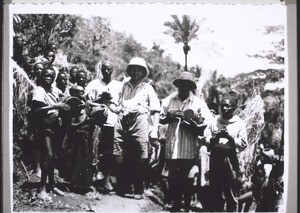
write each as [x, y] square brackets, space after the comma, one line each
[25, 199]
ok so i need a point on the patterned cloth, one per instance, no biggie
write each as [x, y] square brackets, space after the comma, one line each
[181, 143]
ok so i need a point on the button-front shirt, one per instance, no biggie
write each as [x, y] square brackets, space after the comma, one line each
[141, 99]
[181, 143]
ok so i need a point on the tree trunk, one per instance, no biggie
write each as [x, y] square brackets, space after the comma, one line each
[185, 67]
[186, 49]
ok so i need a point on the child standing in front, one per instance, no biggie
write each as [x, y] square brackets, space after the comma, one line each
[45, 108]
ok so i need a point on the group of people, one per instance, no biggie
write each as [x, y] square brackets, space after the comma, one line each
[109, 130]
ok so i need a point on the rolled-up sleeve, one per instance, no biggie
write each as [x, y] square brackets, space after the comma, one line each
[208, 133]
[154, 102]
[204, 112]
[164, 109]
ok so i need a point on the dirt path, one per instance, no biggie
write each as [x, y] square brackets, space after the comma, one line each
[26, 200]
[114, 203]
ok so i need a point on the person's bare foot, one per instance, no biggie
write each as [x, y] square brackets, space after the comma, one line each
[58, 192]
[44, 196]
[37, 173]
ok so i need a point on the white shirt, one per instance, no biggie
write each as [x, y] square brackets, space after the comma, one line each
[96, 87]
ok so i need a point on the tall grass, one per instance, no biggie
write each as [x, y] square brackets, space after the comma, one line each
[253, 115]
[22, 86]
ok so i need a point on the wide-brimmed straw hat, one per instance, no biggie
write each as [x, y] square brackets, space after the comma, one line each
[138, 62]
[185, 78]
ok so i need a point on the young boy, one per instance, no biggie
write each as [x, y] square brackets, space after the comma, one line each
[225, 134]
[45, 107]
[82, 125]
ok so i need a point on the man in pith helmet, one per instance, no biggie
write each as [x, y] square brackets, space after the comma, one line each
[137, 100]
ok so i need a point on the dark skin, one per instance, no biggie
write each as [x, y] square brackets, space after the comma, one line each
[38, 68]
[50, 56]
[46, 148]
[73, 73]
[81, 78]
[47, 78]
[106, 73]
[52, 47]
[18, 49]
[62, 81]
[227, 109]
[183, 93]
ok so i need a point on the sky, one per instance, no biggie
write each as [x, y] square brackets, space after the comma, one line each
[228, 33]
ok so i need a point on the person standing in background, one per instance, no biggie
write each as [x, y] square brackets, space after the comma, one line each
[62, 83]
[72, 75]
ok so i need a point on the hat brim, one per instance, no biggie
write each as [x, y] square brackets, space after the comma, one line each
[128, 70]
[191, 84]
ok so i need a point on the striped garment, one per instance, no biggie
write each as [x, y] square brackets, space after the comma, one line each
[181, 143]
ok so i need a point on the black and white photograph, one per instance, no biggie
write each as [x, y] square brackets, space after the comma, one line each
[148, 107]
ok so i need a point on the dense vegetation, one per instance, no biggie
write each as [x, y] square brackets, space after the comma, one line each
[85, 42]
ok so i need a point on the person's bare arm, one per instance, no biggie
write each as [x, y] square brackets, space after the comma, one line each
[45, 108]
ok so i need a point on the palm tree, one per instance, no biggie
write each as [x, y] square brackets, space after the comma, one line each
[183, 32]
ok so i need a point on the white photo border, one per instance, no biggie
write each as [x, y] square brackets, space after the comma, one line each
[291, 102]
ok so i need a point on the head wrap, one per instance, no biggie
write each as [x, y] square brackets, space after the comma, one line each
[232, 96]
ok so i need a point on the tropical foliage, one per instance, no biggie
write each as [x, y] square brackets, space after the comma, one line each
[183, 32]
[86, 42]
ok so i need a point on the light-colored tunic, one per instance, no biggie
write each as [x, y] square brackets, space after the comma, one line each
[235, 126]
[96, 87]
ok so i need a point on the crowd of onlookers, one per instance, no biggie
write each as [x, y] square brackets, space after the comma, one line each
[120, 137]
